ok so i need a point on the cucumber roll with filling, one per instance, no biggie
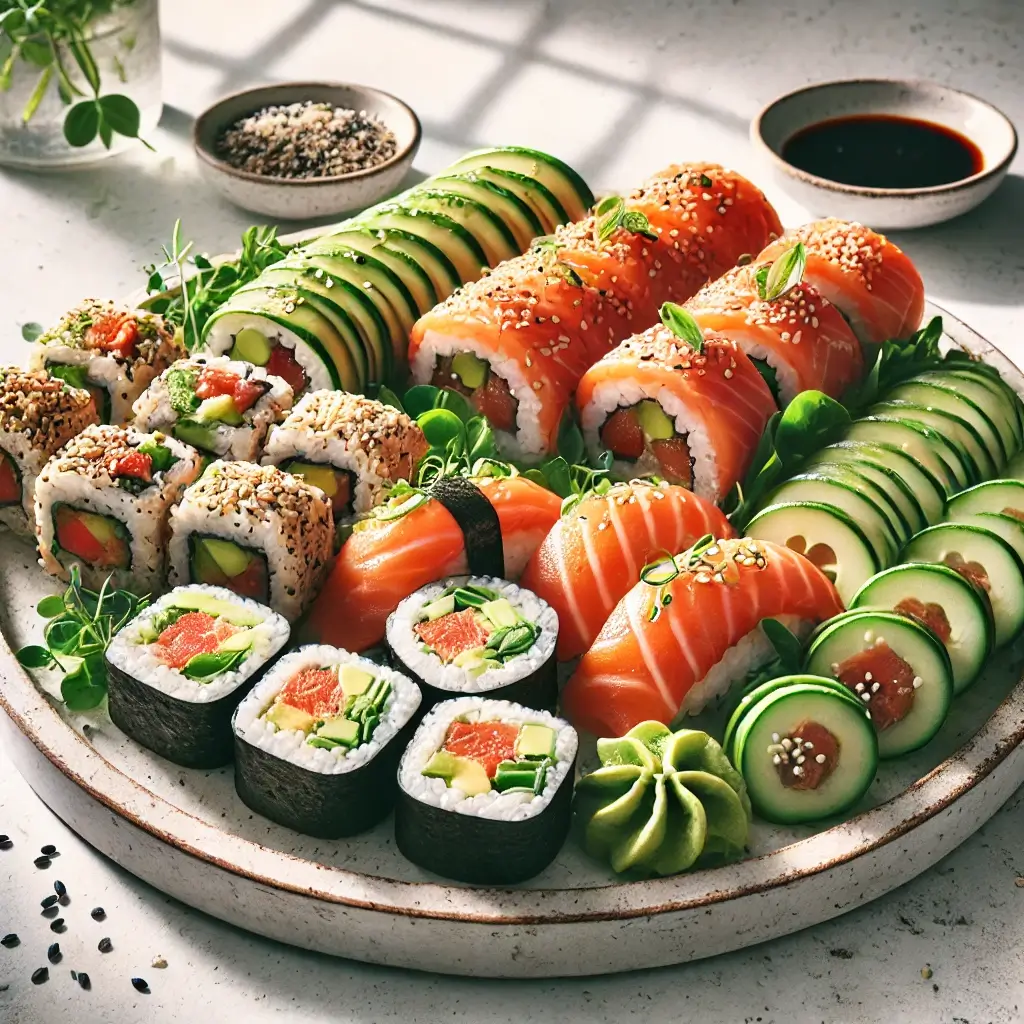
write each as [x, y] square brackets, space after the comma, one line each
[221, 406]
[477, 635]
[103, 503]
[260, 532]
[178, 670]
[485, 791]
[317, 741]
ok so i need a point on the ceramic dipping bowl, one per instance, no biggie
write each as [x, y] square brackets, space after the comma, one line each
[306, 198]
[889, 208]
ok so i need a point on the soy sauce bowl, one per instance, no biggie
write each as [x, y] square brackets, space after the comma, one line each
[890, 208]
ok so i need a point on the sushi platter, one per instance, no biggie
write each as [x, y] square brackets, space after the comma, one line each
[651, 594]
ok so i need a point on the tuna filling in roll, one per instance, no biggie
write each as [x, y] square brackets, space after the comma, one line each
[223, 563]
[278, 359]
[98, 540]
[473, 377]
[10, 480]
[645, 435]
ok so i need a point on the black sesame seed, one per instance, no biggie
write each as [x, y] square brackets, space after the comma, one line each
[97, 913]
[83, 980]
[49, 901]
[40, 975]
[60, 888]
[42, 862]
[139, 985]
[10, 940]
[53, 954]
[74, 975]
[58, 925]
[48, 850]
[105, 946]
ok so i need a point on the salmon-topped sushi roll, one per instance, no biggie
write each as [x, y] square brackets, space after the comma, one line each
[690, 412]
[869, 279]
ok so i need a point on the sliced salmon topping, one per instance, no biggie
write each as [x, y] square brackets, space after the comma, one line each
[623, 435]
[928, 614]
[282, 363]
[811, 758]
[313, 690]
[973, 572]
[115, 332]
[883, 681]
[673, 456]
[495, 400]
[135, 463]
[487, 743]
[452, 634]
[194, 633]
[214, 381]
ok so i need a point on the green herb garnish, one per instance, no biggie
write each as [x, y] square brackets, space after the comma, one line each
[203, 667]
[611, 214]
[162, 456]
[783, 275]
[682, 324]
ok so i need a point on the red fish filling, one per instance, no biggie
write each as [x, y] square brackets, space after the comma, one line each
[252, 579]
[493, 398]
[487, 743]
[194, 633]
[807, 757]
[973, 572]
[282, 363]
[10, 481]
[99, 541]
[883, 681]
[315, 691]
[214, 382]
[453, 634]
[135, 464]
[623, 435]
[929, 614]
[116, 333]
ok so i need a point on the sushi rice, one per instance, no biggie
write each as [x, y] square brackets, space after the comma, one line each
[290, 745]
[509, 806]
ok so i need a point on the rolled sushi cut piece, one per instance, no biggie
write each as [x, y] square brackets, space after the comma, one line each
[260, 532]
[223, 407]
[103, 503]
[318, 739]
[112, 352]
[477, 635]
[485, 791]
[352, 448]
[178, 670]
[39, 413]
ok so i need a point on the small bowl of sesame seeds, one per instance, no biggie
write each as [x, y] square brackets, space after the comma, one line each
[306, 149]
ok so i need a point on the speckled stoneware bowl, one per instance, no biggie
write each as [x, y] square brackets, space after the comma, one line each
[889, 208]
[306, 198]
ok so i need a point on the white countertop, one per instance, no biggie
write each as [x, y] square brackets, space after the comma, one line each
[617, 89]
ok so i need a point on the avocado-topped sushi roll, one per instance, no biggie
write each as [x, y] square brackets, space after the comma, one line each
[111, 351]
[477, 635]
[103, 502]
[224, 407]
[351, 447]
[317, 741]
[178, 670]
[485, 791]
[256, 530]
[38, 414]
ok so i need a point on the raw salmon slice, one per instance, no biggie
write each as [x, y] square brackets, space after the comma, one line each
[487, 743]
[313, 690]
[194, 633]
[452, 634]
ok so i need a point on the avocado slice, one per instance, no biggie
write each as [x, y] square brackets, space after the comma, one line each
[460, 772]
[196, 601]
[284, 716]
[442, 606]
[470, 369]
[103, 528]
[500, 612]
[535, 741]
[219, 409]
[467, 659]
[441, 766]
[199, 435]
[340, 730]
[354, 681]
[251, 346]
[655, 424]
[229, 557]
[316, 474]
[240, 641]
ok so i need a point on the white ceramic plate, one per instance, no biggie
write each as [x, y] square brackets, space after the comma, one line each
[186, 833]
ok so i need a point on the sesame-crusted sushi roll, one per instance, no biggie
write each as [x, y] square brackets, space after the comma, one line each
[111, 351]
[223, 407]
[353, 448]
[485, 791]
[477, 635]
[260, 532]
[38, 414]
[103, 502]
[178, 670]
[318, 740]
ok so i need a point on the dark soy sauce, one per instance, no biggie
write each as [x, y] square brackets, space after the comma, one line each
[883, 151]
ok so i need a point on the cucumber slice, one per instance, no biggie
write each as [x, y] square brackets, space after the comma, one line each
[544, 203]
[434, 263]
[996, 384]
[804, 525]
[1009, 528]
[559, 178]
[959, 432]
[888, 492]
[843, 495]
[515, 214]
[910, 588]
[937, 396]
[922, 496]
[956, 543]
[990, 395]
[778, 715]
[1015, 468]
[923, 444]
[861, 636]
[1005, 496]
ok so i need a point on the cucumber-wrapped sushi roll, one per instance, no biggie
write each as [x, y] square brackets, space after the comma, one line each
[103, 502]
[485, 791]
[352, 448]
[479, 635]
[38, 414]
[256, 530]
[317, 741]
[223, 407]
[178, 670]
[112, 352]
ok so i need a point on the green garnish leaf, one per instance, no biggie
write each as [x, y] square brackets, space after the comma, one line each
[419, 399]
[682, 324]
[388, 397]
[705, 181]
[788, 648]
[50, 607]
[442, 427]
[571, 446]
[82, 123]
[203, 667]
[31, 331]
[85, 687]
[607, 217]
[34, 656]
[784, 274]
[73, 376]
[480, 439]
[162, 456]
[637, 223]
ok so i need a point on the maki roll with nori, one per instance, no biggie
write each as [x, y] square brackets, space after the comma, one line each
[318, 740]
[110, 351]
[224, 407]
[178, 670]
[261, 533]
[477, 635]
[485, 791]
[103, 502]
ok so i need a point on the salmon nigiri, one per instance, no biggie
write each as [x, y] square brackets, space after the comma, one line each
[391, 554]
[867, 277]
[594, 554]
[678, 641]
